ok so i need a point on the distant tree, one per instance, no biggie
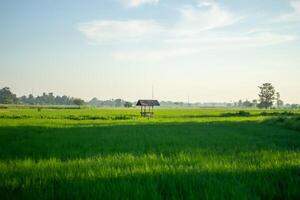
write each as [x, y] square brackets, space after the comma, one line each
[279, 102]
[266, 95]
[228, 105]
[107, 103]
[247, 104]
[127, 104]
[65, 100]
[23, 99]
[78, 102]
[118, 102]
[294, 106]
[254, 103]
[179, 104]
[31, 99]
[240, 103]
[51, 98]
[7, 97]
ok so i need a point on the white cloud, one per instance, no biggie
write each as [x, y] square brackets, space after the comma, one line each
[153, 55]
[204, 4]
[199, 28]
[107, 31]
[295, 5]
[191, 46]
[193, 21]
[136, 3]
[206, 17]
[228, 40]
[292, 16]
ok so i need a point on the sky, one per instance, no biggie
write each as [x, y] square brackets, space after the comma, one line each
[207, 50]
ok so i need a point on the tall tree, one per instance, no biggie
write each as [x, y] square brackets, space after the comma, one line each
[279, 102]
[7, 97]
[266, 95]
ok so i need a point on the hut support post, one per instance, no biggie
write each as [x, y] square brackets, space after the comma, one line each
[147, 112]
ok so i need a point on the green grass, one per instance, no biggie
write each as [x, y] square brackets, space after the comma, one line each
[179, 154]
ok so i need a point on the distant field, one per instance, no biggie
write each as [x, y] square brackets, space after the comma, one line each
[179, 154]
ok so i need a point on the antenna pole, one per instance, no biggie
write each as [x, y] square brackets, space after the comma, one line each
[152, 92]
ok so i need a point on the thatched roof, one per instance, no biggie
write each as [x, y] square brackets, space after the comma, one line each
[147, 103]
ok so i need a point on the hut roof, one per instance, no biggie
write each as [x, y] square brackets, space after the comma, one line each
[147, 103]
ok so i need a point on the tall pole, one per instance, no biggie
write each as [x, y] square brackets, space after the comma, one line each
[152, 92]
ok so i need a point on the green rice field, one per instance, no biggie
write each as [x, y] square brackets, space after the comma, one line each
[91, 153]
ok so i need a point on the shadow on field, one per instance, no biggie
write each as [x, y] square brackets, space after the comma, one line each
[224, 138]
[267, 184]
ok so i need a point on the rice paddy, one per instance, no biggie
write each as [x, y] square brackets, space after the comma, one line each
[178, 154]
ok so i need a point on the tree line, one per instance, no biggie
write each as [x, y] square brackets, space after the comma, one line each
[7, 97]
[268, 97]
[110, 103]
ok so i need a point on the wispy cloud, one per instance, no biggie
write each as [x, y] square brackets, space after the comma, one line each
[292, 16]
[193, 21]
[207, 16]
[199, 27]
[153, 54]
[217, 40]
[191, 46]
[136, 3]
[205, 3]
[296, 5]
[110, 31]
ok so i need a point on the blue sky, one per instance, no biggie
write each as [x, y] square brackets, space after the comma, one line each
[208, 50]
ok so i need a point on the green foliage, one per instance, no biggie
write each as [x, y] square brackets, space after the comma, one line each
[247, 104]
[283, 113]
[47, 99]
[240, 113]
[266, 95]
[127, 104]
[118, 103]
[7, 97]
[78, 102]
[279, 102]
[115, 154]
[287, 121]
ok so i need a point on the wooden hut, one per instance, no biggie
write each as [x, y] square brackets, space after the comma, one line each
[147, 107]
